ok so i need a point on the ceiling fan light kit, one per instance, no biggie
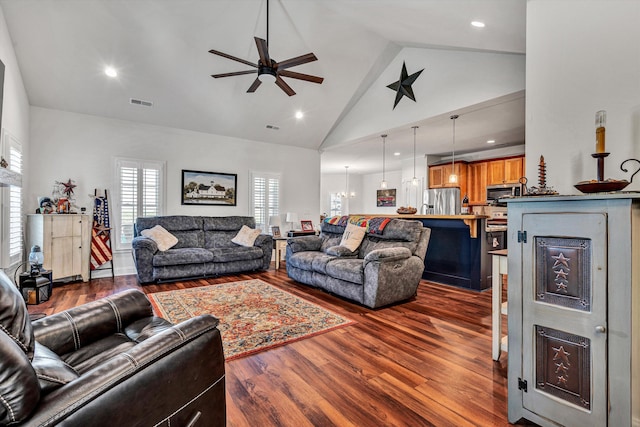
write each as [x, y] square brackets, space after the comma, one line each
[270, 71]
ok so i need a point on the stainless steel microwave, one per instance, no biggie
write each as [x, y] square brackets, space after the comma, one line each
[495, 192]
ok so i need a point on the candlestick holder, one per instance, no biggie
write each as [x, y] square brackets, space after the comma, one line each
[601, 185]
[600, 157]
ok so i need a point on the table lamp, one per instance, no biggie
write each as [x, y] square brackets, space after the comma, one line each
[292, 218]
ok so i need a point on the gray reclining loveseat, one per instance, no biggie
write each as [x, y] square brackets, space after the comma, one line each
[386, 267]
[204, 248]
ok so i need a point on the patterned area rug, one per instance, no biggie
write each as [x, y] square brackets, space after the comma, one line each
[254, 316]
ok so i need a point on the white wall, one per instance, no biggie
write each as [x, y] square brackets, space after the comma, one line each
[81, 147]
[15, 115]
[451, 80]
[582, 56]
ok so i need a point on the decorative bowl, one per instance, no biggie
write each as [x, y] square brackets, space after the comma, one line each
[601, 186]
[406, 211]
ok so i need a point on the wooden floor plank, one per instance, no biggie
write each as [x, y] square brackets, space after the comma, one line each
[423, 362]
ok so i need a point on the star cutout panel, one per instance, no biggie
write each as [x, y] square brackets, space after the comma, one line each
[403, 85]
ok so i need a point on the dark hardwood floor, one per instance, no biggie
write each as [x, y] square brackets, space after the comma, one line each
[420, 363]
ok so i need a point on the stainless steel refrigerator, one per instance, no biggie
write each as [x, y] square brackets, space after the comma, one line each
[442, 201]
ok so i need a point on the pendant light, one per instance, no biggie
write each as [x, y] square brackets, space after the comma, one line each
[345, 193]
[453, 178]
[383, 184]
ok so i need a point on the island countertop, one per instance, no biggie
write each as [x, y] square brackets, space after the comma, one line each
[471, 220]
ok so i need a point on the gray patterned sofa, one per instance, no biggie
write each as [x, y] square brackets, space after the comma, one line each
[204, 248]
[386, 268]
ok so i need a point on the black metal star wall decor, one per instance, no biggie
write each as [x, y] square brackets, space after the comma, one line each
[403, 86]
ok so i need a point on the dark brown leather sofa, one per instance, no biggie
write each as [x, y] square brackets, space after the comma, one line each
[110, 362]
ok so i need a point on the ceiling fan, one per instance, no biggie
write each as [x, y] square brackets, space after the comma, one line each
[269, 70]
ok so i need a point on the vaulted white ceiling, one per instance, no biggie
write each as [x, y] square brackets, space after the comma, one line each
[160, 49]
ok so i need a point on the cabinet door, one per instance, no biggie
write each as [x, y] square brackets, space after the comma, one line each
[495, 172]
[564, 317]
[63, 257]
[513, 170]
[436, 177]
[477, 182]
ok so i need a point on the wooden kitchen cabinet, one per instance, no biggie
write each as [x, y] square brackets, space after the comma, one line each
[513, 170]
[574, 301]
[477, 182]
[65, 241]
[439, 177]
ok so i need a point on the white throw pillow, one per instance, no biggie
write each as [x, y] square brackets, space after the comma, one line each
[161, 236]
[352, 237]
[246, 236]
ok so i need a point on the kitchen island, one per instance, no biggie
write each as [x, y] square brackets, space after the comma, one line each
[458, 250]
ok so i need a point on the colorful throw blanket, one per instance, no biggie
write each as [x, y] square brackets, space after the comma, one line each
[374, 225]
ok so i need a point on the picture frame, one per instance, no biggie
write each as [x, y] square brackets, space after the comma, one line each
[209, 188]
[386, 198]
[306, 225]
[275, 231]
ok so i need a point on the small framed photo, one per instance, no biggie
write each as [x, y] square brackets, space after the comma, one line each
[275, 231]
[306, 225]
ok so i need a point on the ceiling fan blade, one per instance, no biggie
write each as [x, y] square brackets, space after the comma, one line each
[298, 60]
[233, 58]
[254, 85]
[263, 51]
[236, 73]
[284, 86]
[301, 76]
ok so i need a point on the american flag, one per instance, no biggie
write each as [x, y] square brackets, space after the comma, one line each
[100, 242]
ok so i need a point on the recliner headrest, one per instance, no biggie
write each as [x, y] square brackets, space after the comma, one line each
[14, 317]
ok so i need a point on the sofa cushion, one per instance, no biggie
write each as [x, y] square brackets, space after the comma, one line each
[19, 388]
[51, 371]
[306, 260]
[161, 236]
[348, 269]
[237, 253]
[352, 237]
[189, 239]
[246, 236]
[170, 223]
[228, 223]
[219, 239]
[14, 317]
[182, 256]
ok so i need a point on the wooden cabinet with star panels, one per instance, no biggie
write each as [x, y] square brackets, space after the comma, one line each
[574, 310]
[65, 241]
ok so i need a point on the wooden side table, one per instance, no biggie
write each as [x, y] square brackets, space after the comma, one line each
[498, 307]
[280, 245]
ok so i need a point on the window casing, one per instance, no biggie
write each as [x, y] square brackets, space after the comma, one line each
[140, 190]
[12, 200]
[265, 198]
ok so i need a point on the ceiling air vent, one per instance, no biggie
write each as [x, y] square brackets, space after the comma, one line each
[273, 127]
[140, 102]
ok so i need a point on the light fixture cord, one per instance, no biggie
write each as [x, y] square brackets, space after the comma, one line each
[414, 151]
[453, 154]
[384, 137]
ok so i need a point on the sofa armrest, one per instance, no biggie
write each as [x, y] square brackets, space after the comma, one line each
[303, 243]
[341, 252]
[265, 242]
[117, 391]
[143, 250]
[388, 254]
[71, 329]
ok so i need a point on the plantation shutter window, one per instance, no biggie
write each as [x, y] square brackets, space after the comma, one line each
[265, 198]
[140, 185]
[11, 198]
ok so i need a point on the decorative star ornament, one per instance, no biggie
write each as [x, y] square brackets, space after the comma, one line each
[68, 187]
[403, 85]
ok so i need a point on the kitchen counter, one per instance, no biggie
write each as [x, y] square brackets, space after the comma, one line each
[472, 221]
[458, 249]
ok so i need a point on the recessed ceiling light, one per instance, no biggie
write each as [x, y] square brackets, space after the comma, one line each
[477, 24]
[396, 153]
[299, 115]
[491, 141]
[111, 72]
